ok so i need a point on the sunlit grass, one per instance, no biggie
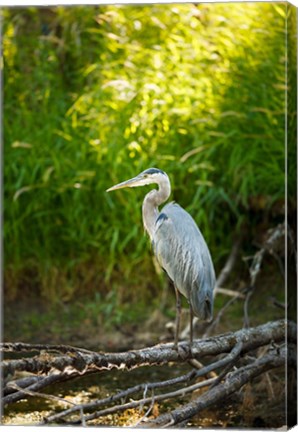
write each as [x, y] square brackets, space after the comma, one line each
[92, 96]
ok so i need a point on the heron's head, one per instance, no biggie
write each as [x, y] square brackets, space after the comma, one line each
[149, 176]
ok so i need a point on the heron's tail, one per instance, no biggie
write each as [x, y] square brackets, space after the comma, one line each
[201, 300]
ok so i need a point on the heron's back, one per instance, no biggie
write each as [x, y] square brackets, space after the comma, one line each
[182, 251]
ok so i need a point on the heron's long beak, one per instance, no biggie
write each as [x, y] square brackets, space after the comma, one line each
[135, 181]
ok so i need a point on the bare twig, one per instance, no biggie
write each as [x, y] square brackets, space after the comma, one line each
[47, 348]
[277, 303]
[42, 395]
[292, 243]
[270, 386]
[218, 317]
[198, 365]
[20, 382]
[51, 398]
[245, 306]
[135, 403]
[254, 270]
[41, 383]
[274, 240]
[256, 266]
[229, 265]
[145, 416]
[233, 356]
[229, 292]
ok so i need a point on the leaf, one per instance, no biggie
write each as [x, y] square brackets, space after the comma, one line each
[19, 144]
[47, 174]
[19, 192]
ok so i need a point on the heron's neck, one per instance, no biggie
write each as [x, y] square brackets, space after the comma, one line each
[151, 202]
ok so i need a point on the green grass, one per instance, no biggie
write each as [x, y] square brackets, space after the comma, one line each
[93, 95]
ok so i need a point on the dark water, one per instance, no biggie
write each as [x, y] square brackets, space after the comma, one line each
[85, 389]
[228, 414]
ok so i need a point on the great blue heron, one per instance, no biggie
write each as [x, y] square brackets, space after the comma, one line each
[178, 246]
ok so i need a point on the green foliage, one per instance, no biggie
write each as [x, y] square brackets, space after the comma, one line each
[93, 95]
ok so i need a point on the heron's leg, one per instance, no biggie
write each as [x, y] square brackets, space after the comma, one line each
[178, 314]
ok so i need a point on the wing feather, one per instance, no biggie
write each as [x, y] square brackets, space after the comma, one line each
[182, 252]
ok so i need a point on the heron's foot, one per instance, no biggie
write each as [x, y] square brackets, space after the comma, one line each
[178, 349]
[175, 346]
[190, 347]
[191, 342]
[182, 350]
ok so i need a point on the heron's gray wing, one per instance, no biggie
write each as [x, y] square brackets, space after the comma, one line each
[182, 251]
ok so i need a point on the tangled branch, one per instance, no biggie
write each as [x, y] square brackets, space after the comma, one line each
[224, 389]
[231, 368]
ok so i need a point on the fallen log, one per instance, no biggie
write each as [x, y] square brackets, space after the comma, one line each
[83, 361]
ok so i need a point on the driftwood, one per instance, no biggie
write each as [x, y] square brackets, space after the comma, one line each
[234, 356]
